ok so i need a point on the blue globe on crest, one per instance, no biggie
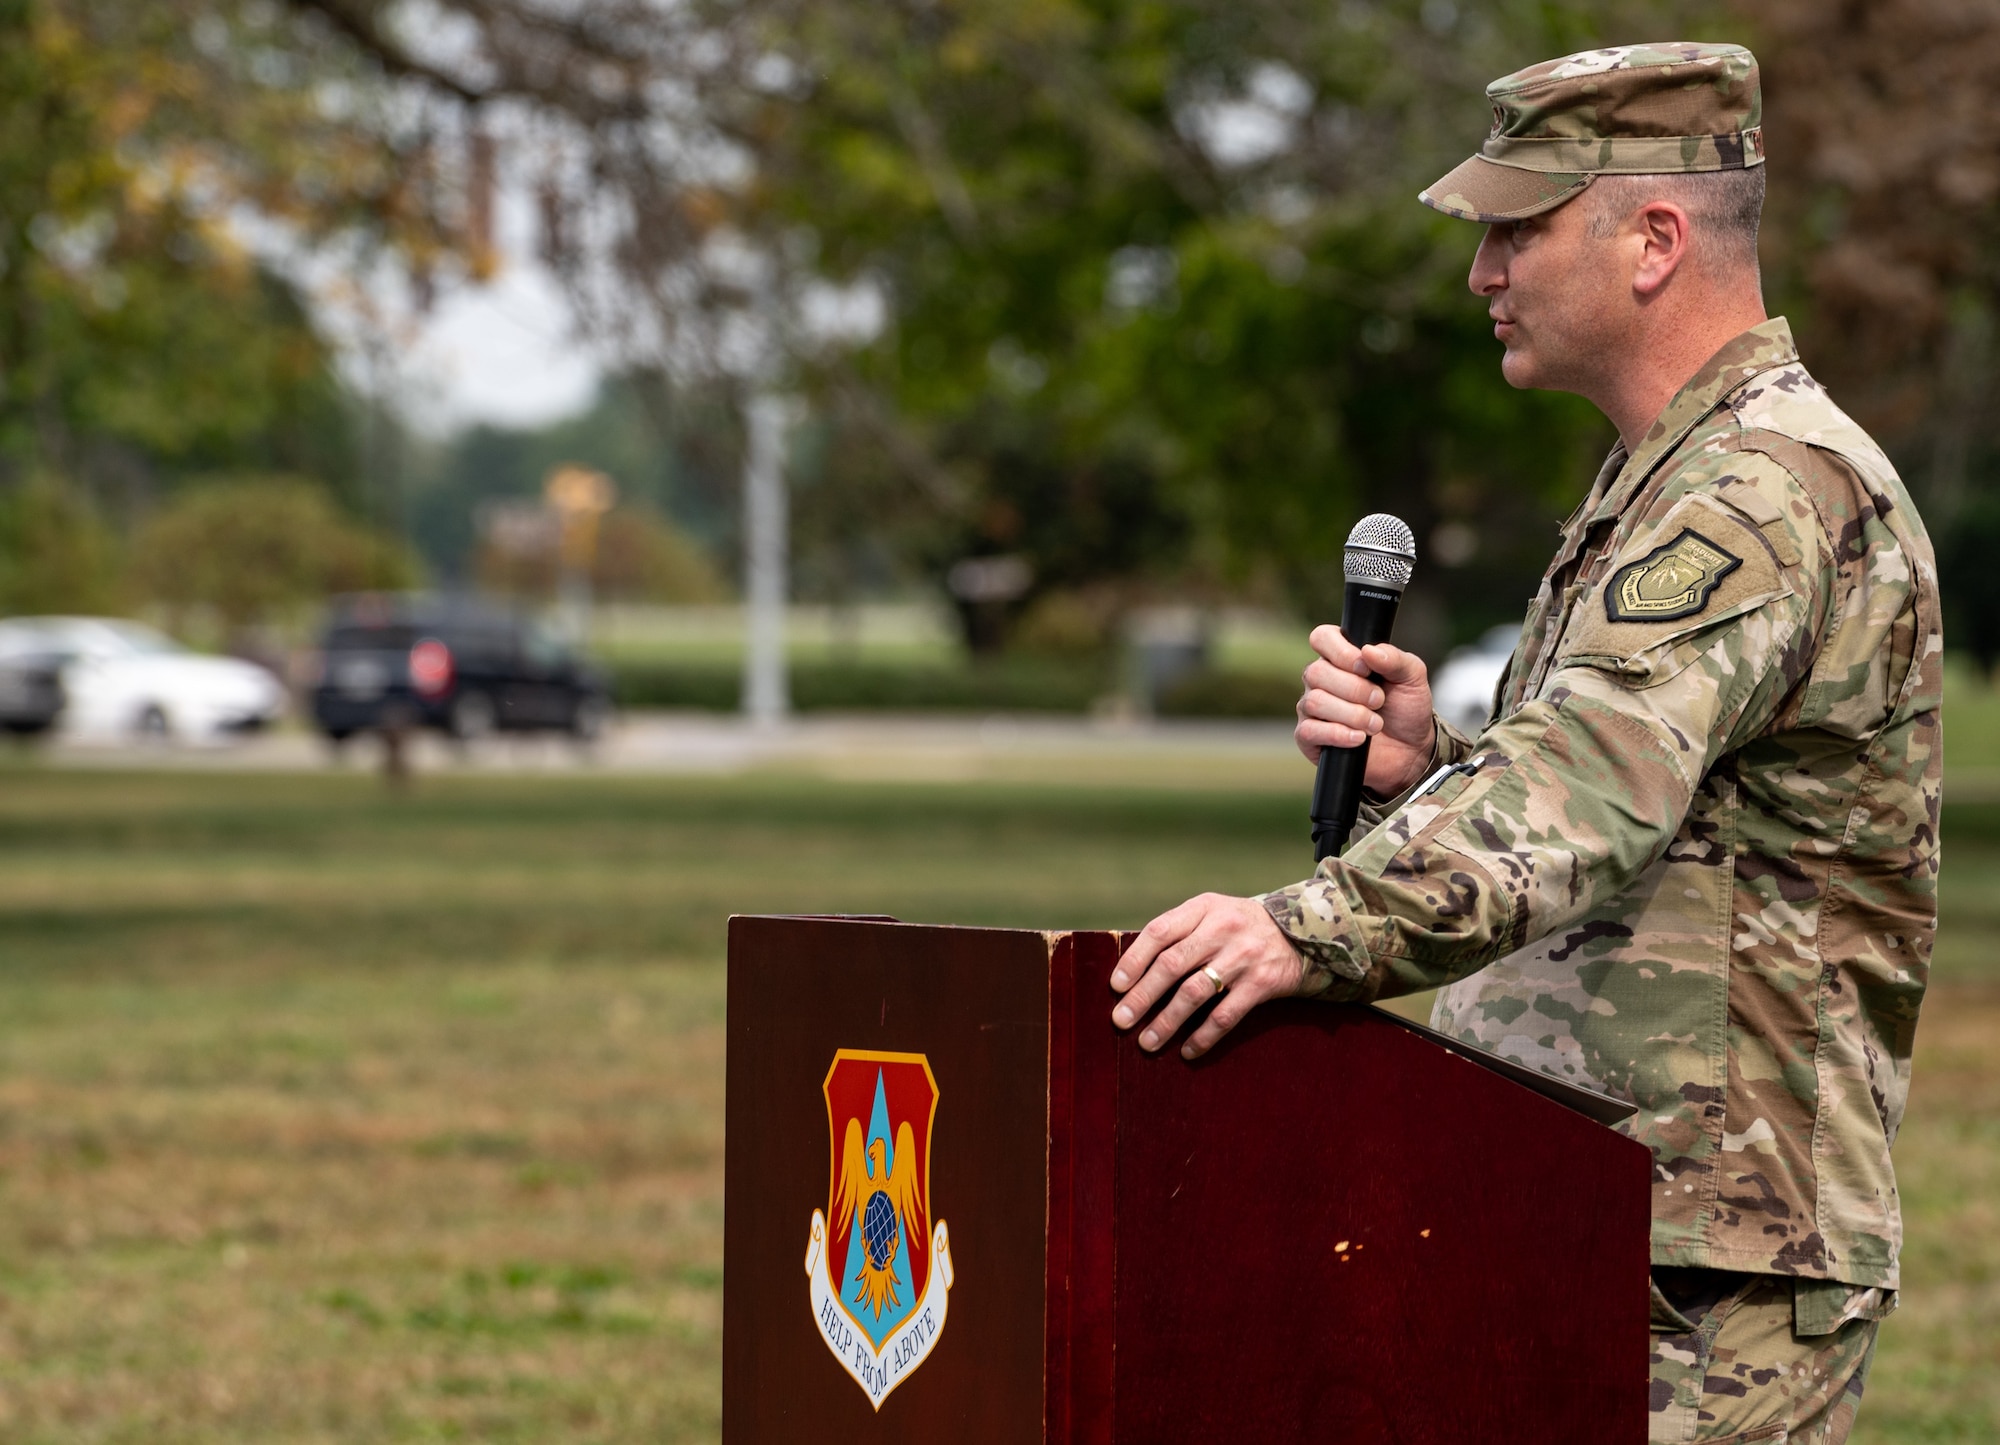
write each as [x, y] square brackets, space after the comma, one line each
[878, 1229]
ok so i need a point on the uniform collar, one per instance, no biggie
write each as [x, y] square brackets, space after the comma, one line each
[1762, 348]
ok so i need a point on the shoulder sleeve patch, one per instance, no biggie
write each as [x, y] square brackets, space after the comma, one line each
[1674, 580]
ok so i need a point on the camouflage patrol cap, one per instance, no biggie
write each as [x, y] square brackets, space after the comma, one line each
[1629, 110]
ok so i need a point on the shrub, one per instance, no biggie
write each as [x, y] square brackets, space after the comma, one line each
[1005, 685]
[1215, 692]
[56, 554]
[254, 549]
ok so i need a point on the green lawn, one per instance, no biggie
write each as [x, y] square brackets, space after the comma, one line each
[327, 1115]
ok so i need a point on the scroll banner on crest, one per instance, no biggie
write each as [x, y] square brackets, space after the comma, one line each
[878, 1372]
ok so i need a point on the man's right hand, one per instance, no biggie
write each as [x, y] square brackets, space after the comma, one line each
[1341, 707]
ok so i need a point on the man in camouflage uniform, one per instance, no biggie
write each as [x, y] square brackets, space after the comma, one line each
[1693, 862]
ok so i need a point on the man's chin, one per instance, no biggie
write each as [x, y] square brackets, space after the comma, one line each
[1519, 369]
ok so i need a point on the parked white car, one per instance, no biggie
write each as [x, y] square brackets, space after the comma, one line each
[123, 680]
[1462, 690]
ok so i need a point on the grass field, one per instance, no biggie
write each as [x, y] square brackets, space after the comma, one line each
[332, 1116]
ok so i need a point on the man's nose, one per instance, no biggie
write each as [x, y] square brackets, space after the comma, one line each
[1489, 268]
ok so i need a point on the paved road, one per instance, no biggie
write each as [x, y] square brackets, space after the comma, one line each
[911, 748]
[897, 748]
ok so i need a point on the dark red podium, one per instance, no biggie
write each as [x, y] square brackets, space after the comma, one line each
[962, 1208]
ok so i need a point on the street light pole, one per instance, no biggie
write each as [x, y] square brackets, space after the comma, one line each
[766, 697]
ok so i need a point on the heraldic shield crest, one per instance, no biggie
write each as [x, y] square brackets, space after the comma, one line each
[1670, 582]
[878, 1262]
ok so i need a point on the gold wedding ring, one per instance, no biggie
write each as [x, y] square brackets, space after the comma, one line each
[1215, 978]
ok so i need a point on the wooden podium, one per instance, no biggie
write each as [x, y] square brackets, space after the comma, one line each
[1336, 1227]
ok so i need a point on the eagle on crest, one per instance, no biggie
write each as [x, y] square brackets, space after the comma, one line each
[884, 1205]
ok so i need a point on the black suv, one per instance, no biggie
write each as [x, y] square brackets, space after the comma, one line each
[464, 667]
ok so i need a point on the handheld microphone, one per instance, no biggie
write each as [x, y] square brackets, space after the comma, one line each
[1381, 554]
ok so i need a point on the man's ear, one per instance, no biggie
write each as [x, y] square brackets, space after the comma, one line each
[1665, 235]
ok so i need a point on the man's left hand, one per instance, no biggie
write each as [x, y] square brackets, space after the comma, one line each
[1233, 936]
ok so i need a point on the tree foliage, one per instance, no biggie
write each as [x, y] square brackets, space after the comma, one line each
[251, 550]
[1883, 239]
[1885, 230]
[148, 152]
[139, 334]
[638, 556]
[57, 553]
[1163, 304]
[670, 449]
[1158, 310]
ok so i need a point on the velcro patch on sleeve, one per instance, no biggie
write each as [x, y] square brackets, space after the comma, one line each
[1674, 580]
[1707, 563]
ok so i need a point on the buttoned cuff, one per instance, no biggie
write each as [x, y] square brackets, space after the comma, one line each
[1315, 916]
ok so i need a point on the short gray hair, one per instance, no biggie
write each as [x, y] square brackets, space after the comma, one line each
[1725, 206]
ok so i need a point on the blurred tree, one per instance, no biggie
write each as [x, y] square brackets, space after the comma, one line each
[142, 146]
[632, 123]
[640, 557]
[1162, 305]
[1149, 260]
[258, 550]
[1884, 242]
[1884, 230]
[1152, 275]
[1154, 261]
[670, 448]
[56, 553]
[162, 164]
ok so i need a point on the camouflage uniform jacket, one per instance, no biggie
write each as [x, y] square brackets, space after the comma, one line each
[1695, 865]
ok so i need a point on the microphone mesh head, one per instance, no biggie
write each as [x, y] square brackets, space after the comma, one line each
[1381, 549]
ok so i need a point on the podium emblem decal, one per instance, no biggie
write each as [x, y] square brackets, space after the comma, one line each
[879, 1265]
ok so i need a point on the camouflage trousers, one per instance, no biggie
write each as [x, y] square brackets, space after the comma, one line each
[1754, 1357]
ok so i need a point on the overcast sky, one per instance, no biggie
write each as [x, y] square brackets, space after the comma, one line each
[503, 352]
[498, 353]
